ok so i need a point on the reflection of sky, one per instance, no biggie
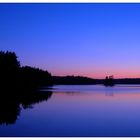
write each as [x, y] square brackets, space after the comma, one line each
[117, 90]
[82, 39]
[94, 114]
[82, 114]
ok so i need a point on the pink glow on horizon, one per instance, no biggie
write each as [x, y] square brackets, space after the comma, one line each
[100, 74]
[97, 72]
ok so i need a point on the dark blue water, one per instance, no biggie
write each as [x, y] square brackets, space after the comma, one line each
[81, 111]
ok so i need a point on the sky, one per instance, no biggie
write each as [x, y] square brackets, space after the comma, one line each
[93, 40]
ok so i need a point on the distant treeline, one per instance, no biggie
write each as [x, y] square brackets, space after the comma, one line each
[80, 80]
[73, 80]
[120, 81]
[12, 75]
[127, 81]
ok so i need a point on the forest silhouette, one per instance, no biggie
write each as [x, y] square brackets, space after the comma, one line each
[19, 87]
[13, 76]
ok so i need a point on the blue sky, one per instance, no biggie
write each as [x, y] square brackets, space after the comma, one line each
[92, 40]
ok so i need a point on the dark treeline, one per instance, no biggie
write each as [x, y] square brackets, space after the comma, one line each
[79, 80]
[12, 75]
[19, 87]
[127, 81]
[34, 77]
[73, 80]
[119, 81]
[9, 69]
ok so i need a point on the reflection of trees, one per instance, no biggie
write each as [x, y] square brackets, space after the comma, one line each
[34, 98]
[15, 76]
[9, 109]
[17, 86]
[10, 105]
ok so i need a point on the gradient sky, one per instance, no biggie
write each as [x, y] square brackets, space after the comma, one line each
[92, 40]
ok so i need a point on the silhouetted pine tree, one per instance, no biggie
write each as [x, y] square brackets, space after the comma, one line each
[14, 76]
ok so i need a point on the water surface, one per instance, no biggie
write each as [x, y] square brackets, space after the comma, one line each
[81, 110]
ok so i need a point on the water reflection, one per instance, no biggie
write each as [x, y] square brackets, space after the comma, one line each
[9, 109]
[11, 103]
[109, 91]
[108, 111]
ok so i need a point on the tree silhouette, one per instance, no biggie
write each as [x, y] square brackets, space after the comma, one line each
[14, 76]
[19, 87]
[35, 77]
[109, 81]
[9, 68]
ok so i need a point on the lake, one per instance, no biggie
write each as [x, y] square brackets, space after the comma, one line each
[79, 110]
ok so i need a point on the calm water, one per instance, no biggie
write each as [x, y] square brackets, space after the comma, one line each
[89, 110]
